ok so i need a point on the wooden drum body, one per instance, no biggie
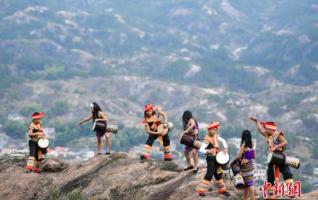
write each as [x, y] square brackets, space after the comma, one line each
[99, 126]
[292, 162]
[112, 128]
[278, 158]
[239, 182]
[187, 139]
[235, 167]
[163, 129]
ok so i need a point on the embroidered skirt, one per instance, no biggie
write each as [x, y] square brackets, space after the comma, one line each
[247, 172]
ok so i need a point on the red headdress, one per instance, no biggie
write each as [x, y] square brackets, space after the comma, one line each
[148, 107]
[38, 115]
[213, 125]
[269, 125]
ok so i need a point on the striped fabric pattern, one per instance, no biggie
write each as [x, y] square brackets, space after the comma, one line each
[30, 163]
[220, 186]
[203, 187]
[247, 172]
[146, 151]
[166, 153]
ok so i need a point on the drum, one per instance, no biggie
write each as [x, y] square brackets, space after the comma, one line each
[293, 162]
[235, 167]
[197, 144]
[223, 160]
[99, 126]
[187, 139]
[276, 158]
[239, 182]
[112, 128]
[163, 129]
[43, 143]
[170, 126]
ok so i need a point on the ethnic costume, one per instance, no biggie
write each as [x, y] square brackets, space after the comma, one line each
[100, 134]
[36, 153]
[213, 168]
[274, 170]
[153, 122]
[188, 148]
[247, 168]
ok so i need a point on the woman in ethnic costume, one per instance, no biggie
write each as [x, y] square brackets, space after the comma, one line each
[99, 115]
[245, 155]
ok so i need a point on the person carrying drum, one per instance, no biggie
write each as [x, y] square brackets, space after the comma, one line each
[153, 118]
[276, 143]
[190, 126]
[245, 156]
[210, 147]
[99, 116]
[35, 132]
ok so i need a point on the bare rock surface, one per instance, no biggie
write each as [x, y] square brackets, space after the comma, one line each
[116, 176]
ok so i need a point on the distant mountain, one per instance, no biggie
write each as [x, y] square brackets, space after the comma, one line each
[223, 59]
[210, 43]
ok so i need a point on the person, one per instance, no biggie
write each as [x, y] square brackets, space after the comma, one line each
[245, 156]
[276, 143]
[210, 147]
[99, 115]
[153, 117]
[35, 132]
[190, 126]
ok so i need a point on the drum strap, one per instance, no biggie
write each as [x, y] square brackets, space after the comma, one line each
[161, 140]
[231, 177]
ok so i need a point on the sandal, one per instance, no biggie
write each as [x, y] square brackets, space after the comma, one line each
[107, 152]
[226, 193]
[196, 170]
[189, 167]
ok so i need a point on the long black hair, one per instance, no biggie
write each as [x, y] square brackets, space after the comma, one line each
[187, 115]
[246, 139]
[96, 110]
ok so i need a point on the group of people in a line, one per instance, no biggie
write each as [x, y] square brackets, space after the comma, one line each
[155, 121]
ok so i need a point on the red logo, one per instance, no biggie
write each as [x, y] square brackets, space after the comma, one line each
[281, 189]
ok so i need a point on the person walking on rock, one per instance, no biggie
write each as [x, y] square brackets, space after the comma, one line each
[245, 156]
[99, 116]
[210, 147]
[35, 132]
[153, 119]
[190, 126]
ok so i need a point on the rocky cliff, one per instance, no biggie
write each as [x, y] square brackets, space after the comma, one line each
[117, 176]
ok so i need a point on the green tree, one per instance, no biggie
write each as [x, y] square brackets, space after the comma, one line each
[315, 150]
[59, 107]
[28, 110]
[308, 169]
[15, 129]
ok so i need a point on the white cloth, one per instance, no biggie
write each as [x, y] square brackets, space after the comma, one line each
[205, 145]
[222, 140]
